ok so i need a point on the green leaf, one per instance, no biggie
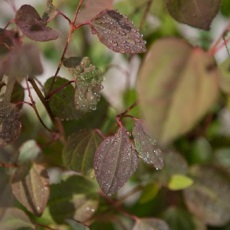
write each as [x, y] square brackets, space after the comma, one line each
[78, 153]
[208, 197]
[28, 151]
[149, 192]
[225, 6]
[30, 187]
[178, 182]
[225, 76]
[15, 218]
[76, 225]
[73, 198]
[150, 223]
[62, 102]
[18, 94]
[117, 32]
[115, 161]
[147, 147]
[10, 126]
[174, 88]
[195, 13]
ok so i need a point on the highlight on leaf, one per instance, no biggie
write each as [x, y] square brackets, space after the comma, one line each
[115, 161]
[88, 79]
[33, 26]
[147, 147]
[10, 126]
[117, 32]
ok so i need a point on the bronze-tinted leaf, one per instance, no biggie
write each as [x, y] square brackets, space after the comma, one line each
[150, 224]
[195, 13]
[6, 40]
[31, 24]
[10, 126]
[23, 61]
[117, 32]
[147, 148]
[174, 87]
[115, 161]
[30, 186]
[62, 102]
[78, 153]
[208, 197]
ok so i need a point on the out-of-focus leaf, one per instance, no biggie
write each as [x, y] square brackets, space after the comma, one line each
[62, 102]
[149, 192]
[30, 186]
[225, 6]
[90, 8]
[88, 83]
[6, 40]
[208, 197]
[150, 224]
[225, 76]
[73, 198]
[15, 218]
[50, 12]
[178, 218]
[147, 147]
[31, 24]
[222, 157]
[6, 196]
[117, 32]
[174, 87]
[178, 182]
[78, 153]
[115, 161]
[23, 61]
[10, 126]
[195, 13]
[76, 225]
[174, 163]
[18, 94]
[29, 150]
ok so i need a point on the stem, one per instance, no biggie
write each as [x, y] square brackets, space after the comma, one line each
[147, 9]
[129, 109]
[8, 165]
[9, 90]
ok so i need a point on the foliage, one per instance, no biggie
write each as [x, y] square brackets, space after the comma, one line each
[99, 151]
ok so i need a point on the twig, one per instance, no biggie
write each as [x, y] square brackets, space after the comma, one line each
[147, 9]
[8, 165]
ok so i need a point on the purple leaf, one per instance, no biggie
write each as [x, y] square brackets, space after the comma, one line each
[33, 26]
[117, 32]
[115, 161]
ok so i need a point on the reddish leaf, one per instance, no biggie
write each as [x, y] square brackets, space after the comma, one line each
[6, 40]
[30, 187]
[115, 161]
[117, 32]
[195, 13]
[146, 146]
[31, 24]
[78, 153]
[10, 126]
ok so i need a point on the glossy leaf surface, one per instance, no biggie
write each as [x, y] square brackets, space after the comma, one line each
[30, 186]
[146, 146]
[115, 161]
[150, 224]
[174, 88]
[10, 126]
[78, 153]
[207, 197]
[31, 24]
[196, 13]
[117, 32]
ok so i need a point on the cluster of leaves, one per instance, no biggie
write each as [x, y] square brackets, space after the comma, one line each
[59, 171]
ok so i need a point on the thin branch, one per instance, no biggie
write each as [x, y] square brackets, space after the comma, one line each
[147, 9]
[8, 165]
[128, 110]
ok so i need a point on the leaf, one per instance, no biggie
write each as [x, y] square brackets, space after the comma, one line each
[18, 94]
[78, 153]
[88, 83]
[225, 76]
[15, 217]
[10, 126]
[208, 197]
[178, 182]
[28, 151]
[117, 32]
[174, 88]
[90, 8]
[23, 61]
[31, 24]
[115, 161]
[150, 224]
[149, 192]
[195, 13]
[50, 12]
[62, 102]
[73, 198]
[146, 146]
[6, 40]
[76, 225]
[30, 187]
